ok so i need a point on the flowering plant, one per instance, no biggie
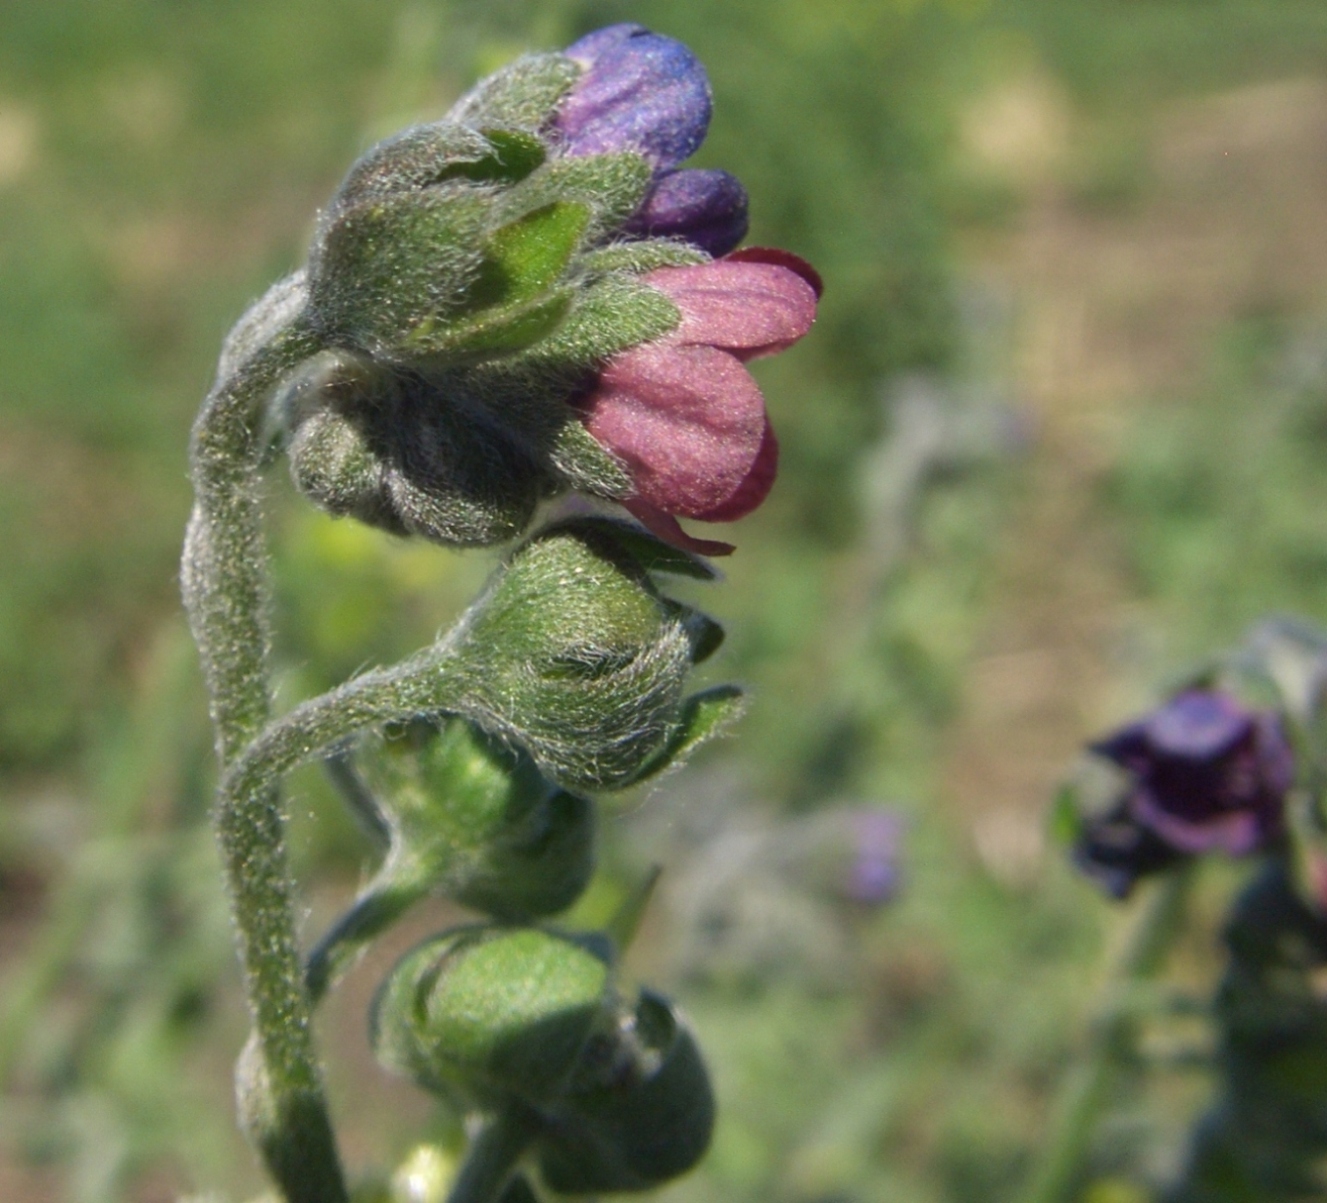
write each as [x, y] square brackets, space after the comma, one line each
[520, 300]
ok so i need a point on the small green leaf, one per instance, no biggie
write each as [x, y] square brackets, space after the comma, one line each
[1064, 823]
[514, 156]
[704, 715]
[413, 159]
[526, 257]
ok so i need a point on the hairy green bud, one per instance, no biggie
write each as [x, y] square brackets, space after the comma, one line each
[521, 1018]
[488, 1015]
[476, 820]
[573, 655]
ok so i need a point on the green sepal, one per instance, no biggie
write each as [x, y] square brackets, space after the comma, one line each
[456, 476]
[704, 716]
[413, 159]
[640, 256]
[649, 551]
[705, 634]
[511, 301]
[649, 1119]
[334, 459]
[611, 315]
[383, 268]
[584, 465]
[492, 332]
[486, 1014]
[514, 156]
[1064, 823]
[522, 95]
[527, 257]
[611, 186]
[467, 819]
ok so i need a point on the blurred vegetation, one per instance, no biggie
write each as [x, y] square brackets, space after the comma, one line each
[161, 162]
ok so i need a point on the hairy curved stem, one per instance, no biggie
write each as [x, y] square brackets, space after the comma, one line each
[226, 594]
[1088, 1087]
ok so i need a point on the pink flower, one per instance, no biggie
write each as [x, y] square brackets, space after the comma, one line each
[682, 413]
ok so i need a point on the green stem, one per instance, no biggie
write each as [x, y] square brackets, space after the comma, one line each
[1090, 1084]
[493, 1156]
[225, 589]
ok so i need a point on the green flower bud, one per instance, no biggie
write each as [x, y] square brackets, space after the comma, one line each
[573, 655]
[490, 1015]
[503, 1018]
[365, 443]
[475, 820]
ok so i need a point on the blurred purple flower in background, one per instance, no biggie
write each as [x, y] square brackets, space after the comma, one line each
[873, 876]
[648, 94]
[1207, 774]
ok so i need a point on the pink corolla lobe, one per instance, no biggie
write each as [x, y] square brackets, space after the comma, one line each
[683, 413]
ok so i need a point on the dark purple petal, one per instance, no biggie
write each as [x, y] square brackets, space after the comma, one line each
[641, 92]
[707, 208]
[1236, 832]
[1198, 723]
[1115, 851]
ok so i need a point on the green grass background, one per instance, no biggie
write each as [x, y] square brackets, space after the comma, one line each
[161, 161]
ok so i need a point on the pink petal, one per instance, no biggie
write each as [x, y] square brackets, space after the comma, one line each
[755, 488]
[688, 421]
[750, 309]
[773, 254]
[670, 530]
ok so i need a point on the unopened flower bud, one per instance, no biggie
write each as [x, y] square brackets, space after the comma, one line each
[474, 819]
[573, 655]
[486, 1015]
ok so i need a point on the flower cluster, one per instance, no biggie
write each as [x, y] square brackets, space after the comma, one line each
[523, 299]
[1205, 774]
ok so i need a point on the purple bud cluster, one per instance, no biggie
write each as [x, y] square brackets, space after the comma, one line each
[647, 93]
[1205, 774]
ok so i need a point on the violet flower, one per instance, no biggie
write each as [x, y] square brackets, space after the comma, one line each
[646, 93]
[1207, 774]
[682, 412]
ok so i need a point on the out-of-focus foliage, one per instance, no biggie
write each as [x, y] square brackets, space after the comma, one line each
[161, 162]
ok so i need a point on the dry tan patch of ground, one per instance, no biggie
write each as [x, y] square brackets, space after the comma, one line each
[1116, 312]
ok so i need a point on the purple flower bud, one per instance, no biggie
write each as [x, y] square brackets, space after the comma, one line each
[1207, 774]
[641, 92]
[707, 208]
